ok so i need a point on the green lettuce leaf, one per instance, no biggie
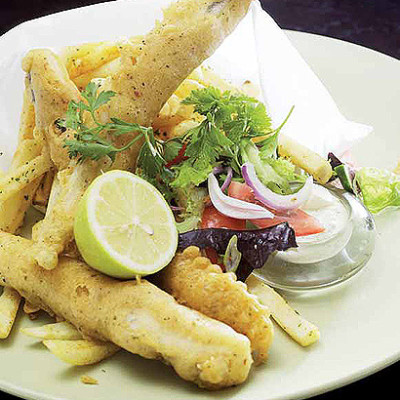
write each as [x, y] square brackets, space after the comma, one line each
[278, 174]
[379, 188]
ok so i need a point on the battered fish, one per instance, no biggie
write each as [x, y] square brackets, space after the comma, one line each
[193, 281]
[148, 75]
[136, 316]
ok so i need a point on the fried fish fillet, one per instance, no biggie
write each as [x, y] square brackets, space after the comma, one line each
[148, 75]
[197, 283]
[135, 315]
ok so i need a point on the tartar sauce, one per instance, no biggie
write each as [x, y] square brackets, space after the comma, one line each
[334, 216]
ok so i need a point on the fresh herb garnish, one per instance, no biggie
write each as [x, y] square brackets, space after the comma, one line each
[92, 138]
[230, 119]
[231, 122]
[152, 165]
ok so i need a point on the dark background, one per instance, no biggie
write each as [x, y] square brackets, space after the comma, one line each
[371, 23]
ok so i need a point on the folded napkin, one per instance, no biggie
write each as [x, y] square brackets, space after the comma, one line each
[258, 51]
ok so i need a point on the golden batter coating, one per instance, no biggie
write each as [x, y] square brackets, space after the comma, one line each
[149, 73]
[193, 281]
[136, 316]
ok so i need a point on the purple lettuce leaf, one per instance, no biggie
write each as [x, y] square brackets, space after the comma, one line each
[255, 245]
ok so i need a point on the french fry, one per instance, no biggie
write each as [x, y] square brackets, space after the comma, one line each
[103, 71]
[87, 57]
[207, 77]
[13, 208]
[81, 352]
[180, 129]
[305, 158]
[9, 304]
[58, 331]
[12, 211]
[27, 119]
[187, 86]
[27, 150]
[97, 60]
[298, 328]
[15, 181]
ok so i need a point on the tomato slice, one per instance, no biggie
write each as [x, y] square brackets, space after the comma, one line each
[213, 256]
[241, 191]
[302, 223]
[212, 218]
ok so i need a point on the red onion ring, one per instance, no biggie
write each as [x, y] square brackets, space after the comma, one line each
[271, 199]
[232, 207]
[228, 179]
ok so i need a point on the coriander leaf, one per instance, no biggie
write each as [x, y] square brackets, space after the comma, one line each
[103, 98]
[206, 144]
[230, 119]
[172, 148]
[72, 119]
[237, 114]
[150, 160]
[83, 150]
[89, 94]
[91, 142]
[204, 100]
[151, 166]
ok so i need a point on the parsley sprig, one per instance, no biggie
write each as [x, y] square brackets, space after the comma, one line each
[91, 142]
[230, 119]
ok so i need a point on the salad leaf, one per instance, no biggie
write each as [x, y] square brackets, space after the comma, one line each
[151, 165]
[269, 146]
[379, 188]
[255, 245]
[278, 174]
[206, 144]
[189, 224]
[193, 201]
[344, 172]
[230, 118]
[237, 114]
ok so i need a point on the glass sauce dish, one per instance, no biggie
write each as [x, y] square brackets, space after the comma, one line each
[328, 258]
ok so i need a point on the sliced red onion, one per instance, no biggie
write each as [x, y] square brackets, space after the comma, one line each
[218, 169]
[273, 200]
[234, 208]
[228, 179]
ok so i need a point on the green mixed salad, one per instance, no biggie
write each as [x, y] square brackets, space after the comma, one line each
[227, 173]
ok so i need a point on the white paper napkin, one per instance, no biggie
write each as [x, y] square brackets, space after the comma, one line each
[258, 50]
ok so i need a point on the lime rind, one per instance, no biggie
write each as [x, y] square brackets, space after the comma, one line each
[95, 246]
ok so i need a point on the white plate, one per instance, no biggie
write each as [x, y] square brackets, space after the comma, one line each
[359, 320]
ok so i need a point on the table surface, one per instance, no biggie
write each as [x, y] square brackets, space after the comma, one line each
[370, 23]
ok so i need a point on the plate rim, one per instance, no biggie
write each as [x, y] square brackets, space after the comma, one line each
[369, 370]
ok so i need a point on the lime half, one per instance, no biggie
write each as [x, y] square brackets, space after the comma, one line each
[124, 227]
